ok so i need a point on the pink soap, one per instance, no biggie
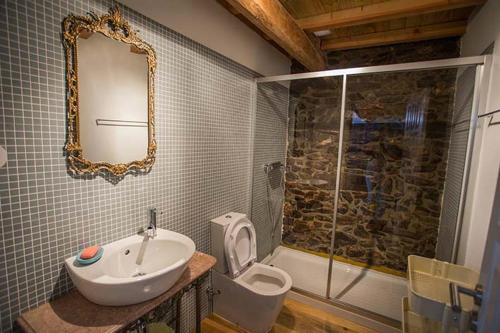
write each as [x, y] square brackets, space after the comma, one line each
[89, 252]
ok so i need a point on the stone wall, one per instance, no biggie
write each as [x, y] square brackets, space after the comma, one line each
[394, 164]
[314, 119]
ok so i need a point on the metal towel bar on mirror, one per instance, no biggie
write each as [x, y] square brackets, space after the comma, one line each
[118, 122]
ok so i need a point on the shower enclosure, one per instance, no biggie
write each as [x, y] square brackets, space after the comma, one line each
[376, 161]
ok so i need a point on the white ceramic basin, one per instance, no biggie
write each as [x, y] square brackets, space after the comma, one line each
[133, 269]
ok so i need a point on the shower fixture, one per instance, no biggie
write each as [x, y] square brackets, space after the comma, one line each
[274, 182]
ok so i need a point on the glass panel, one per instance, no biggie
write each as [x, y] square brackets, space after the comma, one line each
[396, 147]
[306, 217]
[270, 132]
[313, 136]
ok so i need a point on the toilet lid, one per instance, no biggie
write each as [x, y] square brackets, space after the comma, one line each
[240, 246]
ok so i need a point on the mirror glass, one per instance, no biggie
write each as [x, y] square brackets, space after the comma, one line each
[112, 98]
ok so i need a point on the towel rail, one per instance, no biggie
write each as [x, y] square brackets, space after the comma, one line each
[119, 122]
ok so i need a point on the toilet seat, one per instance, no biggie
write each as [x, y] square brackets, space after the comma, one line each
[265, 280]
[240, 246]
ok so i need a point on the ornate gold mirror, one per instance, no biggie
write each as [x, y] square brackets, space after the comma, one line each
[110, 87]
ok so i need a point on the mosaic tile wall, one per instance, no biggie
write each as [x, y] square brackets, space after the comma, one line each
[457, 154]
[393, 168]
[203, 130]
[270, 130]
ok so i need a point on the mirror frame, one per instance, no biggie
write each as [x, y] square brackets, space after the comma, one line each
[114, 26]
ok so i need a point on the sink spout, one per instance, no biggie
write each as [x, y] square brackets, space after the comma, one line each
[140, 256]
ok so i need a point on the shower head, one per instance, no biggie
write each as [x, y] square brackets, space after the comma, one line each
[272, 166]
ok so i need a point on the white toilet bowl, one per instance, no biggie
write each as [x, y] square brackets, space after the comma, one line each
[247, 294]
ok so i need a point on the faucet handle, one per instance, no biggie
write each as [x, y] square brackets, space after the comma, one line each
[152, 216]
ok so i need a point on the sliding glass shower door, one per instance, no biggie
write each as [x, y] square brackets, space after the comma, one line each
[376, 162]
[396, 155]
[313, 136]
[397, 131]
[311, 169]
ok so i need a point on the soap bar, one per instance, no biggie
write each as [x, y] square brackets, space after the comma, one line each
[89, 252]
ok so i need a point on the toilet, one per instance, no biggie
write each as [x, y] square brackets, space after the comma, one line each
[246, 293]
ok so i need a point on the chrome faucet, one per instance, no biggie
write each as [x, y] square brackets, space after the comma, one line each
[151, 231]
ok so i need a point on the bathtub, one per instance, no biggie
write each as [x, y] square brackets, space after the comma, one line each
[364, 288]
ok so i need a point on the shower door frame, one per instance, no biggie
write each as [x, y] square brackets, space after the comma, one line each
[482, 65]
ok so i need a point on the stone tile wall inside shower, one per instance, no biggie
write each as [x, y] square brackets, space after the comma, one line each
[393, 169]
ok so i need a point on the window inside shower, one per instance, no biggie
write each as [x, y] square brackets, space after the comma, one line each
[375, 164]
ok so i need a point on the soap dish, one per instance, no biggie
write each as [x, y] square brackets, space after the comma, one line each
[90, 260]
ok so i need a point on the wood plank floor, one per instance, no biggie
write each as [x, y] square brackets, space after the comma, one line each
[295, 317]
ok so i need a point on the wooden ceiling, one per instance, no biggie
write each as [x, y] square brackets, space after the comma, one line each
[305, 28]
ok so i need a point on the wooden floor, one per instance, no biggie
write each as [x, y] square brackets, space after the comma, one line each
[295, 317]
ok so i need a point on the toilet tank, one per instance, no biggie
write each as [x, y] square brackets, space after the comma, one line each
[218, 227]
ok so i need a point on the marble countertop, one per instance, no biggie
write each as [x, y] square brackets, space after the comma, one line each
[74, 313]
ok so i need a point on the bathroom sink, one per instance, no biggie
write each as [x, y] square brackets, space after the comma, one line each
[133, 269]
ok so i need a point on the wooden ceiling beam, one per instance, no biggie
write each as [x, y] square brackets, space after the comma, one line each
[382, 11]
[395, 36]
[273, 19]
